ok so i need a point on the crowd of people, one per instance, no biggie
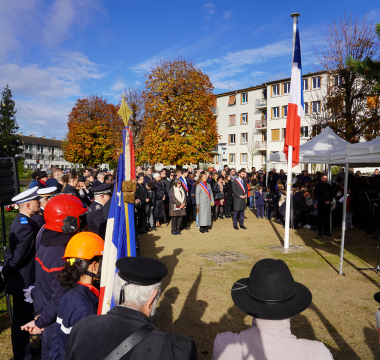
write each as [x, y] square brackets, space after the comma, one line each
[53, 263]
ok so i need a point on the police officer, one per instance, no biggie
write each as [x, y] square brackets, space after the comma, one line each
[45, 195]
[18, 269]
[96, 220]
[125, 329]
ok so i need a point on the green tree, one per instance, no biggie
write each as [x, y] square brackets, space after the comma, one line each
[368, 68]
[10, 142]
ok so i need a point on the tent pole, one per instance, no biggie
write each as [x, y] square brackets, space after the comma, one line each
[329, 176]
[343, 219]
[288, 197]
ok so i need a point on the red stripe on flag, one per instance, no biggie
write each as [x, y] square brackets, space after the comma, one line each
[293, 132]
[101, 298]
[132, 154]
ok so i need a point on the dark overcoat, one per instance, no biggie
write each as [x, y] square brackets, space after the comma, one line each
[95, 218]
[160, 191]
[97, 336]
[239, 204]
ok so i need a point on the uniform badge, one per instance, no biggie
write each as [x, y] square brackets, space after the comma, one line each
[23, 220]
[98, 207]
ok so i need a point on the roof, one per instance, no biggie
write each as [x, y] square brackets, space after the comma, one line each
[41, 141]
[303, 76]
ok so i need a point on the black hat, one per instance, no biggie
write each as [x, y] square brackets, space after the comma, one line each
[141, 271]
[270, 292]
[377, 297]
[103, 189]
[41, 174]
[81, 178]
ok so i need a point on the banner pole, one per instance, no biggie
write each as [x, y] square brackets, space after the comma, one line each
[288, 196]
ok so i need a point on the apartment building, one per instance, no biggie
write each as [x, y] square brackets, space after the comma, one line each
[43, 152]
[252, 121]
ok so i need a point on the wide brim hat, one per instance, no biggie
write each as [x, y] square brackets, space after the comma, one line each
[270, 292]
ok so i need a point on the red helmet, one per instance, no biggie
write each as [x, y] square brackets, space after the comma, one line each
[62, 213]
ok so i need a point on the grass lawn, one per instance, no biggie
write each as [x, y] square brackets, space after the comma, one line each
[196, 299]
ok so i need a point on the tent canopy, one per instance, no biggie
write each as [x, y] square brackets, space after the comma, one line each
[366, 152]
[325, 148]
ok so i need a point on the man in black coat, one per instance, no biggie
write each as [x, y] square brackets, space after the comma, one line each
[126, 327]
[240, 191]
[141, 201]
[96, 219]
[18, 270]
[324, 194]
[299, 205]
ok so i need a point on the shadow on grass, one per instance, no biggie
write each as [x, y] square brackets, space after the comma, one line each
[276, 232]
[328, 262]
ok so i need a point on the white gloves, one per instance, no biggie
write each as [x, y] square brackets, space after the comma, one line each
[27, 295]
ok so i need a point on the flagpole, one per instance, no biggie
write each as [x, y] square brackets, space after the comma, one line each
[290, 155]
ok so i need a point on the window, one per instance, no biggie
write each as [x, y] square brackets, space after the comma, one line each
[264, 158]
[316, 82]
[244, 118]
[275, 112]
[285, 111]
[316, 107]
[232, 158]
[306, 107]
[275, 90]
[232, 100]
[305, 84]
[244, 98]
[217, 159]
[243, 158]
[337, 80]
[244, 138]
[232, 139]
[286, 88]
[283, 133]
[232, 120]
[275, 134]
[52, 151]
[304, 131]
[264, 136]
[264, 115]
[373, 102]
[316, 130]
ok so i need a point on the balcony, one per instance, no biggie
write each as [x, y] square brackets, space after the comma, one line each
[261, 103]
[261, 124]
[261, 145]
[215, 149]
[215, 111]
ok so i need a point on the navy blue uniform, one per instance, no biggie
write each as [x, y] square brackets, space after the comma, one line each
[18, 270]
[48, 292]
[39, 218]
[78, 303]
[95, 218]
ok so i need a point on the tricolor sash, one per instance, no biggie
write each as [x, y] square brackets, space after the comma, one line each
[241, 185]
[205, 188]
[184, 184]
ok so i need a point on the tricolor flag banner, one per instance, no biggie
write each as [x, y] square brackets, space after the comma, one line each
[120, 238]
[295, 106]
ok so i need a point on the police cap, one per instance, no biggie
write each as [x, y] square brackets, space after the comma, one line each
[102, 189]
[141, 271]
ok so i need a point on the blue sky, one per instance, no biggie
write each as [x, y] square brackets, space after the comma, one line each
[54, 52]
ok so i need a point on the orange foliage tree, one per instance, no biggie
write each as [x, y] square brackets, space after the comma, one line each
[95, 130]
[178, 126]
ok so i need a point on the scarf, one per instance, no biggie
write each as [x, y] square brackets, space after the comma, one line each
[179, 194]
[42, 182]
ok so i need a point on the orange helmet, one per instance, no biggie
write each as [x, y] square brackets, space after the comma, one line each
[84, 245]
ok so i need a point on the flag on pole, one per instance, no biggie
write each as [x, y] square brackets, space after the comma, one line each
[295, 106]
[120, 239]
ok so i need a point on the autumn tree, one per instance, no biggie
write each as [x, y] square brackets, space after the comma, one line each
[178, 126]
[95, 131]
[10, 142]
[347, 107]
[134, 99]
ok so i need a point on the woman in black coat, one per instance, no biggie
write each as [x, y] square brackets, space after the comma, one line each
[228, 195]
[160, 191]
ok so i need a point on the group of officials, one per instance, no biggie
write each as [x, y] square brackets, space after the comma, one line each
[52, 273]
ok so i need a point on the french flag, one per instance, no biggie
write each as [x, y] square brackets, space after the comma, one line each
[295, 106]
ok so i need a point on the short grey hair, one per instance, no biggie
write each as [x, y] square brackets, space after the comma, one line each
[377, 315]
[137, 295]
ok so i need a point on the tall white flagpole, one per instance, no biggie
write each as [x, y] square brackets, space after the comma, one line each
[290, 155]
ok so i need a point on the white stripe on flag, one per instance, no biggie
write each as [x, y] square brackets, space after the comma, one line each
[296, 90]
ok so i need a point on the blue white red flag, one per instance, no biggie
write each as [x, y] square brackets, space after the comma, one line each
[120, 238]
[295, 106]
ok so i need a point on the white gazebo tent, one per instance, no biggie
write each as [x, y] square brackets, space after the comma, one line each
[325, 148]
[360, 153]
